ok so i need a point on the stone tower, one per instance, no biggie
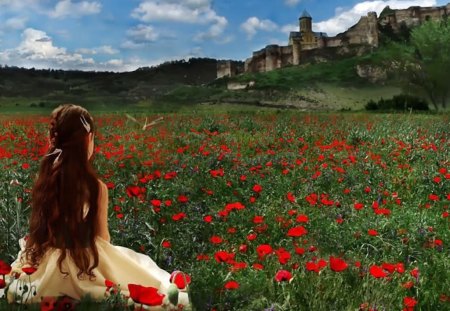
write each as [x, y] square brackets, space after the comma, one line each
[305, 21]
[308, 37]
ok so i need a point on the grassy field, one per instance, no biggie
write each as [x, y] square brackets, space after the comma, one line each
[267, 209]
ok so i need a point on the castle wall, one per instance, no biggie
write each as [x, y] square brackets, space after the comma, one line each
[229, 68]
[364, 32]
[270, 58]
[414, 16]
[357, 40]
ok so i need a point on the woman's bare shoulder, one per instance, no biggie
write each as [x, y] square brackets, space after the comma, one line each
[102, 184]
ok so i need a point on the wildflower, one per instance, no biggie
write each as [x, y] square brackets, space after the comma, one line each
[263, 250]
[377, 272]
[180, 279]
[337, 264]
[4, 268]
[145, 295]
[231, 285]
[283, 276]
[372, 232]
[297, 231]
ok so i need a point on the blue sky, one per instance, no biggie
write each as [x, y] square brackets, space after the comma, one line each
[123, 35]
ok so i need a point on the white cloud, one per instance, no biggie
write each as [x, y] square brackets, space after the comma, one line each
[105, 49]
[290, 27]
[215, 30]
[253, 24]
[15, 23]
[75, 9]
[143, 33]
[37, 50]
[344, 19]
[291, 2]
[15, 5]
[187, 11]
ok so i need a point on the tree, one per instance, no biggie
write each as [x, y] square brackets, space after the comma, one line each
[428, 62]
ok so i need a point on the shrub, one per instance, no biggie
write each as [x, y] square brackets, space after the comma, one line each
[400, 102]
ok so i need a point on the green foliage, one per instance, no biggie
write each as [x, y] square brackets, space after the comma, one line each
[398, 103]
[421, 61]
[389, 160]
[341, 72]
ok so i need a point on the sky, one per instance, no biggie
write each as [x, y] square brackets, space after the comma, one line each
[123, 35]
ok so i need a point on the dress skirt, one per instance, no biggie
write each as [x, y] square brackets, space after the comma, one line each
[117, 264]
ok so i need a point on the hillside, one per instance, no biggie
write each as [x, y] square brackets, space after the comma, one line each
[40, 87]
[181, 83]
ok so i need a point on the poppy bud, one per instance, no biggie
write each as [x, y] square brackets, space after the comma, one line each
[172, 294]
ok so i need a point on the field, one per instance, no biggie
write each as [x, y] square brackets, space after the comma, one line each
[267, 210]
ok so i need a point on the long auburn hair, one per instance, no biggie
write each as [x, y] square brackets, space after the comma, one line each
[62, 189]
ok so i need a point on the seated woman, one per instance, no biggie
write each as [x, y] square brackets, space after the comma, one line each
[69, 241]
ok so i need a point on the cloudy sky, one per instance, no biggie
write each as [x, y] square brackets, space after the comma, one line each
[123, 35]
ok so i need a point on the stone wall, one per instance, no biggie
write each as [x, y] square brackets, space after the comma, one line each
[413, 16]
[269, 58]
[229, 68]
[364, 32]
[357, 40]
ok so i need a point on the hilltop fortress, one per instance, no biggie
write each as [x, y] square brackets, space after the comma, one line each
[306, 45]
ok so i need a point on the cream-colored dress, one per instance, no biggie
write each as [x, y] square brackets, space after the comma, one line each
[117, 264]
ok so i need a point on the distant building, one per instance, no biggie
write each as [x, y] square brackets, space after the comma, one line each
[307, 45]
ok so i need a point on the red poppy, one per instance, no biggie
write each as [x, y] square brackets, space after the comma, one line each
[109, 284]
[400, 267]
[297, 231]
[223, 256]
[389, 267]
[337, 264]
[302, 218]
[182, 198]
[409, 303]
[4, 268]
[251, 236]
[415, 273]
[207, 218]
[372, 232]
[48, 303]
[257, 188]
[133, 191]
[408, 284]
[230, 285]
[299, 250]
[283, 255]
[156, 203]
[283, 275]
[433, 197]
[258, 219]
[243, 248]
[29, 270]
[377, 272]
[166, 244]
[2, 283]
[358, 206]
[257, 266]
[290, 197]
[215, 239]
[180, 279]
[179, 216]
[316, 267]
[263, 250]
[145, 295]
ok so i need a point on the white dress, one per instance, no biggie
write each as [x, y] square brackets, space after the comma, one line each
[117, 264]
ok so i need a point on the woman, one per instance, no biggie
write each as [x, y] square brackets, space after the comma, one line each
[69, 241]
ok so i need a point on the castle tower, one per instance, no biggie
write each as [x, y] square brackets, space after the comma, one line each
[305, 22]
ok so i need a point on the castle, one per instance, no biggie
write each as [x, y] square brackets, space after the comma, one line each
[306, 45]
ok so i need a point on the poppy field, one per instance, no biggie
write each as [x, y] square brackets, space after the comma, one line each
[267, 210]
